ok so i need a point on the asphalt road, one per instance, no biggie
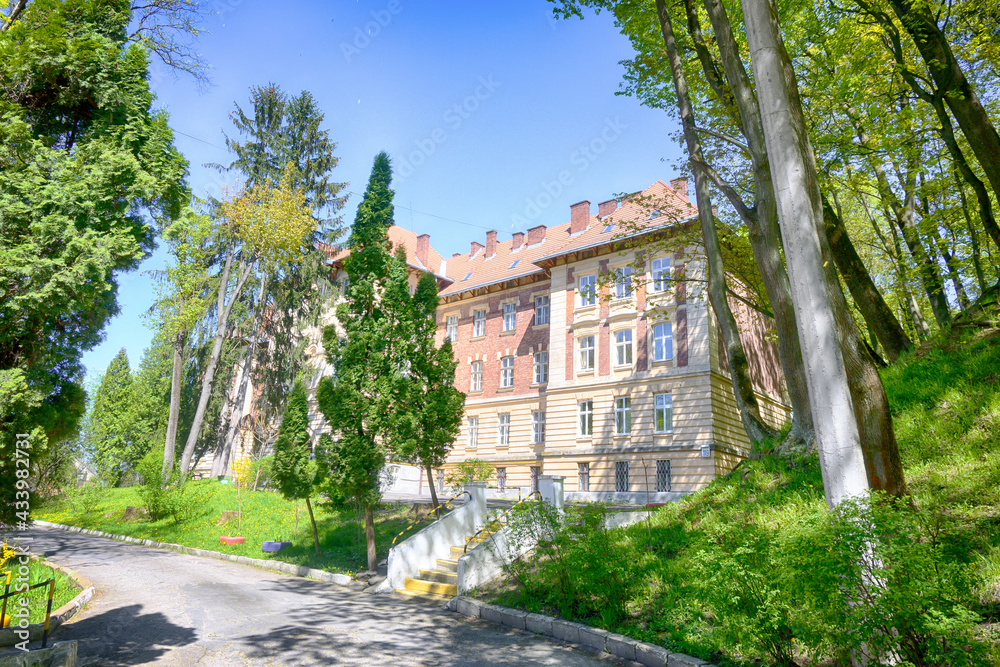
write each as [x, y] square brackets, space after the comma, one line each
[155, 607]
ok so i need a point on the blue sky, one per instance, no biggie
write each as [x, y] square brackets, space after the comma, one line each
[480, 105]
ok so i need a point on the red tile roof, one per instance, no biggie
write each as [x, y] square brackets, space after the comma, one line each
[398, 237]
[472, 270]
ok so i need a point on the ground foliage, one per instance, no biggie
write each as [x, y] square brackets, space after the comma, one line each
[756, 567]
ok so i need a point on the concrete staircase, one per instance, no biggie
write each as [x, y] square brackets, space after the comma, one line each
[441, 583]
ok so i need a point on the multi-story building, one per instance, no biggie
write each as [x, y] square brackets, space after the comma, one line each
[588, 350]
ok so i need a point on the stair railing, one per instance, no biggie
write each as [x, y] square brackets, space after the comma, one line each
[430, 513]
[502, 519]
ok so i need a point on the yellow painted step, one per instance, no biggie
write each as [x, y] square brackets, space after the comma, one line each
[443, 576]
[426, 597]
[449, 564]
[435, 587]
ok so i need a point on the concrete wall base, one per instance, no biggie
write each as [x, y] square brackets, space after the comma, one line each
[60, 654]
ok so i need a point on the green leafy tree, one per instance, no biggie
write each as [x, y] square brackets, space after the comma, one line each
[368, 357]
[430, 412]
[87, 162]
[291, 468]
[115, 429]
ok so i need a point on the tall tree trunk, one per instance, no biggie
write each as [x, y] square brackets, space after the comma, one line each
[370, 538]
[951, 82]
[312, 520]
[800, 210]
[746, 399]
[176, 379]
[434, 497]
[762, 222]
[222, 314]
[873, 307]
[977, 255]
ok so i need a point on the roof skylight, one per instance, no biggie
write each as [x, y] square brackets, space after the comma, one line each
[514, 263]
[608, 228]
[654, 214]
[467, 276]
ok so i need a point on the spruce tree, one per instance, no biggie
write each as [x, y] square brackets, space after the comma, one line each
[292, 470]
[114, 434]
[359, 400]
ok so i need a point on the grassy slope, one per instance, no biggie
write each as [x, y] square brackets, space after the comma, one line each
[266, 516]
[66, 590]
[945, 399]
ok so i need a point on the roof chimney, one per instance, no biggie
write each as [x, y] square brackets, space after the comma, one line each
[680, 186]
[516, 240]
[423, 245]
[476, 247]
[606, 208]
[579, 215]
[455, 254]
[491, 243]
[536, 234]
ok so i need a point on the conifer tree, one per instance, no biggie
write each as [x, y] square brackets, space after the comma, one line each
[367, 356]
[293, 472]
[114, 431]
[430, 415]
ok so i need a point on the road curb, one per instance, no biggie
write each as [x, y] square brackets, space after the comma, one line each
[60, 615]
[594, 639]
[274, 566]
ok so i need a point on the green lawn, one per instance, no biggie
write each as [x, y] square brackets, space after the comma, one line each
[266, 516]
[66, 589]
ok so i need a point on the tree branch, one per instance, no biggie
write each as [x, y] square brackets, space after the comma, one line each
[724, 137]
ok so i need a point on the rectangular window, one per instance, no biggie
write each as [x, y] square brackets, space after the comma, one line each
[621, 476]
[507, 372]
[479, 323]
[473, 432]
[451, 330]
[663, 344]
[663, 413]
[538, 427]
[586, 418]
[623, 415]
[587, 353]
[623, 348]
[662, 475]
[588, 290]
[583, 475]
[509, 316]
[476, 377]
[503, 429]
[541, 367]
[623, 282]
[536, 471]
[661, 274]
[541, 310]
[501, 478]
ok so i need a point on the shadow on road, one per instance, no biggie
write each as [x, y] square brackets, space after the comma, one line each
[125, 636]
[329, 627]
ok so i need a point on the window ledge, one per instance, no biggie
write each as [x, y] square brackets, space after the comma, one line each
[585, 438]
[504, 390]
[622, 436]
[509, 332]
[539, 326]
[670, 432]
[624, 367]
[478, 392]
[538, 384]
[475, 338]
[662, 362]
[587, 373]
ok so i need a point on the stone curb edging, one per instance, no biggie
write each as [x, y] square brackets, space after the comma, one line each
[594, 639]
[60, 615]
[274, 566]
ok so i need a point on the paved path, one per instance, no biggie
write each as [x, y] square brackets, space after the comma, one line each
[164, 608]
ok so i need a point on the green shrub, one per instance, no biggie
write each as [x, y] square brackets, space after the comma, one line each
[470, 470]
[167, 495]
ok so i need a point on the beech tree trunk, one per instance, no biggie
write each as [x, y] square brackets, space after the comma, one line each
[746, 399]
[762, 222]
[176, 379]
[951, 82]
[800, 211]
[877, 313]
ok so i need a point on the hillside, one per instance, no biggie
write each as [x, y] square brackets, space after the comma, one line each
[754, 570]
